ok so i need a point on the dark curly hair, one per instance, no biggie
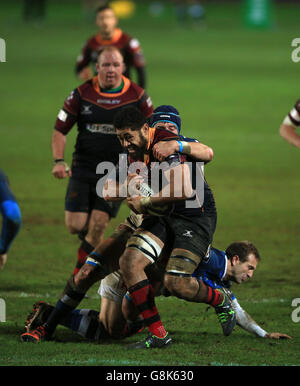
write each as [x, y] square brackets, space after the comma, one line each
[243, 249]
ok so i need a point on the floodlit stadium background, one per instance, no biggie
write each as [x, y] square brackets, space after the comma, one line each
[232, 77]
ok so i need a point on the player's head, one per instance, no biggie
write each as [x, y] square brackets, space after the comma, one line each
[110, 67]
[243, 258]
[106, 20]
[166, 117]
[132, 130]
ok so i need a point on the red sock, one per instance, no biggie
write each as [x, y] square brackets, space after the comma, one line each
[143, 298]
[83, 251]
[214, 297]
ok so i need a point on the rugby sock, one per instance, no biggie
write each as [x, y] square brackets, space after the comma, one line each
[142, 296]
[69, 300]
[208, 295]
[85, 323]
[132, 327]
[83, 251]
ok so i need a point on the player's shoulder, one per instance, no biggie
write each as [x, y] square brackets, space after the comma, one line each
[135, 88]
[217, 253]
[125, 36]
[84, 87]
[131, 42]
[93, 40]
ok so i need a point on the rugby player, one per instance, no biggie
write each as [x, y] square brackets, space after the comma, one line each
[109, 251]
[109, 35]
[236, 264]
[11, 218]
[290, 124]
[93, 106]
[190, 228]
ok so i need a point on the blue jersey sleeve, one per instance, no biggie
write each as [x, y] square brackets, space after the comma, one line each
[11, 214]
[187, 139]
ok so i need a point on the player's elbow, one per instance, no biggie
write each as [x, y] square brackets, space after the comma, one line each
[209, 154]
[283, 131]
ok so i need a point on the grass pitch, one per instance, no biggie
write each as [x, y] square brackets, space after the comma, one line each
[232, 86]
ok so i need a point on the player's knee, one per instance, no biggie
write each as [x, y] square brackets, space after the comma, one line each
[84, 275]
[74, 228]
[96, 233]
[130, 262]
[175, 285]
[76, 222]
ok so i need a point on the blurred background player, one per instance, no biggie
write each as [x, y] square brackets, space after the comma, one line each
[289, 125]
[93, 106]
[109, 35]
[11, 218]
[189, 12]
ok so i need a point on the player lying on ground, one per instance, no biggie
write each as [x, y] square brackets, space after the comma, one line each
[236, 264]
[91, 272]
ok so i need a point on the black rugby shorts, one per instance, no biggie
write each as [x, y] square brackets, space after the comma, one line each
[81, 196]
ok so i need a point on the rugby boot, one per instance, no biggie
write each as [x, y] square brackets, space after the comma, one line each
[35, 336]
[152, 341]
[226, 315]
[38, 316]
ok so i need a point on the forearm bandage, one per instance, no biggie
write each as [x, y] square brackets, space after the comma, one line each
[154, 209]
[146, 245]
[246, 322]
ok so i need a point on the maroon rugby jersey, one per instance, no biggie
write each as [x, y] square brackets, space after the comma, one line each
[94, 111]
[129, 47]
[205, 199]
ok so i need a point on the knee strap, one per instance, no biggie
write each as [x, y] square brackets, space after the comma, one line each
[146, 245]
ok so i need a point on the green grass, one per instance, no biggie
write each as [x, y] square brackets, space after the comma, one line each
[233, 86]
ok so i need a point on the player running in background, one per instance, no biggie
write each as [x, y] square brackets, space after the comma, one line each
[110, 35]
[93, 106]
[11, 218]
[290, 124]
[236, 264]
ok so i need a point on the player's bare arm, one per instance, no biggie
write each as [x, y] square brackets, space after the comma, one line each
[60, 169]
[178, 188]
[116, 191]
[289, 133]
[196, 150]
